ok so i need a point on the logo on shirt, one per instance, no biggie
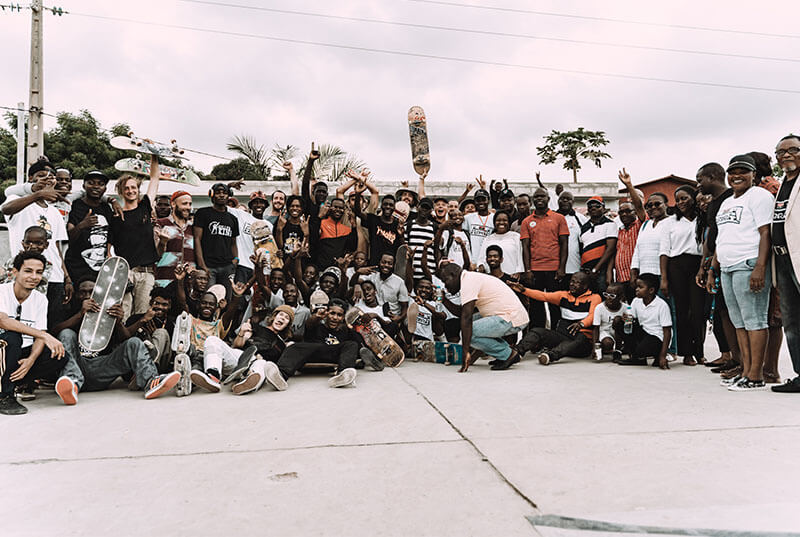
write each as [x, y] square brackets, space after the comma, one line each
[532, 224]
[479, 231]
[387, 234]
[331, 340]
[732, 215]
[780, 211]
[217, 228]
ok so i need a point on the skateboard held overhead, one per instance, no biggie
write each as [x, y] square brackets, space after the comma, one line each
[385, 348]
[97, 326]
[418, 132]
[145, 145]
[140, 166]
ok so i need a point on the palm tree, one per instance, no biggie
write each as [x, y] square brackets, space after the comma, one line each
[278, 155]
[333, 163]
[258, 156]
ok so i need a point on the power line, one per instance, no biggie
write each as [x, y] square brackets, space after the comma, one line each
[604, 19]
[487, 32]
[440, 57]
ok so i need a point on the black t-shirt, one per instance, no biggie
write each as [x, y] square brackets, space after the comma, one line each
[779, 216]
[711, 217]
[383, 237]
[220, 230]
[133, 237]
[269, 344]
[88, 250]
[168, 324]
[292, 235]
[322, 334]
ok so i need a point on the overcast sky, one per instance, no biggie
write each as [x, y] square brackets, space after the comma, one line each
[203, 88]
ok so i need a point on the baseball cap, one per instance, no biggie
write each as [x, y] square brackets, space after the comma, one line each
[506, 193]
[598, 199]
[426, 201]
[95, 174]
[223, 186]
[742, 161]
[218, 290]
[481, 193]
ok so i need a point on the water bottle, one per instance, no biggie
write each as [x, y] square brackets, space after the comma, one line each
[628, 327]
[438, 294]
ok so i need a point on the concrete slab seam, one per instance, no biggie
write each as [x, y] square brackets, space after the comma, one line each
[483, 456]
[636, 433]
[556, 521]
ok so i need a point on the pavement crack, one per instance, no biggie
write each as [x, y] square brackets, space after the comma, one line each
[222, 452]
[483, 456]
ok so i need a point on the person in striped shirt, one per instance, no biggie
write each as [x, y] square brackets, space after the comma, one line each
[598, 244]
[419, 231]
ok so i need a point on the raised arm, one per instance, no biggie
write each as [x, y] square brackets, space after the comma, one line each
[421, 185]
[636, 201]
[305, 192]
[152, 188]
[464, 194]
[289, 167]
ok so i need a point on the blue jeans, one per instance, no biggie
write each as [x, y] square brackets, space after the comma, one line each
[746, 309]
[789, 290]
[488, 333]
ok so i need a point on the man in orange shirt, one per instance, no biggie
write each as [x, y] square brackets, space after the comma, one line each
[572, 335]
[545, 243]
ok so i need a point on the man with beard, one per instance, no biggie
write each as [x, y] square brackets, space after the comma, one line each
[215, 232]
[391, 287]
[175, 238]
[244, 242]
[154, 327]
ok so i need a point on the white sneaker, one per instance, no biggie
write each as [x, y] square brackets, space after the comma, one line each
[184, 367]
[731, 381]
[346, 378]
[274, 376]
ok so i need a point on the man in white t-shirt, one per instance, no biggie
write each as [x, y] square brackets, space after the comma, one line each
[25, 359]
[38, 209]
[480, 224]
[244, 241]
[500, 314]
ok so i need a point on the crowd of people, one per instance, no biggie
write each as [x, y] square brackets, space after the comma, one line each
[266, 285]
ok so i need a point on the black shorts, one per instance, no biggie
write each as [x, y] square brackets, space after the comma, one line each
[452, 328]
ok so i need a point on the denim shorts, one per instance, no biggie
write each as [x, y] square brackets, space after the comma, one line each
[746, 309]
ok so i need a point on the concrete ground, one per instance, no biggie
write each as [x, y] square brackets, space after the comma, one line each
[419, 450]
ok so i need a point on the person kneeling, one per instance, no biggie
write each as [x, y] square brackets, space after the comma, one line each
[652, 325]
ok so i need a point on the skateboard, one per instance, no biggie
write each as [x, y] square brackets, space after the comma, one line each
[181, 335]
[265, 247]
[401, 261]
[418, 132]
[97, 326]
[385, 348]
[145, 145]
[440, 352]
[166, 173]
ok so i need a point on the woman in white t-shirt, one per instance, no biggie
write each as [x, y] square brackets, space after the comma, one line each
[506, 239]
[742, 261]
[680, 257]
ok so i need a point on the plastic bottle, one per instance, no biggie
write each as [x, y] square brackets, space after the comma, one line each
[628, 327]
[438, 294]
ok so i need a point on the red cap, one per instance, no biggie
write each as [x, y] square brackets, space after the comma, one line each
[598, 199]
[178, 194]
[258, 195]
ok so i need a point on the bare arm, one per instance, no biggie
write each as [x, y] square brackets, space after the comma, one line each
[636, 201]
[466, 331]
[198, 247]
[421, 185]
[152, 188]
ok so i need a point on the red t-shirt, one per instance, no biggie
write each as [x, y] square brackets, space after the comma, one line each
[543, 232]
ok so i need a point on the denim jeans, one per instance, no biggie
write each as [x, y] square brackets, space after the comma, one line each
[488, 333]
[97, 373]
[789, 291]
[221, 275]
[746, 309]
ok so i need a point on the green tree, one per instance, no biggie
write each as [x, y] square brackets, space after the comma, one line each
[572, 147]
[236, 170]
[257, 155]
[333, 163]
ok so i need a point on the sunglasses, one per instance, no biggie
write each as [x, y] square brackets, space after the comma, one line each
[612, 296]
[792, 151]
[19, 312]
[653, 205]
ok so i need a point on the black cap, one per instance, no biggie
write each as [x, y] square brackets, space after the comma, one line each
[742, 161]
[481, 192]
[96, 174]
[39, 165]
[506, 193]
[217, 186]
[426, 201]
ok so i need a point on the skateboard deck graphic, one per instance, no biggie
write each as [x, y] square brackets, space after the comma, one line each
[401, 261]
[440, 352]
[145, 145]
[265, 246]
[140, 166]
[97, 327]
[418, 132]
[385, 348]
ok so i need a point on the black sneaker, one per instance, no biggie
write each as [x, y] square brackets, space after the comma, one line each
[10, 407]
[616, 357]
[633, 361]
[790, 386]
[502, 365]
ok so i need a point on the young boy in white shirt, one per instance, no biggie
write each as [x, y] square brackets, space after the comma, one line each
[652, 326]
[604, 314]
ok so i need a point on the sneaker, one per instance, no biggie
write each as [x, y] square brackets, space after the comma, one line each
[10, 407]
[544, 358]
[151, 349]
[731, 381]
[132, 386]
[251, 383]
[370, 359]
[161, 384]
[632, 361]
[26, 393]
[747, 385]
[184, 367]
[616, 357]
[67, 390]
[790, 386]
[208, 381]
[346, 378]
[274, 376]
[242, 365]
[502, 365]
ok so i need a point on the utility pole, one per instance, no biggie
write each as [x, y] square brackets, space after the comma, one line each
[36, 96]
[21, 169]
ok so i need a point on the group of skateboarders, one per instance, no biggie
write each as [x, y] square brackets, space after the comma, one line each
[248, 294]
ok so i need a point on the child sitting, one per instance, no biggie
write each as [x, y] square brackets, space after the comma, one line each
[652, 325]
[604, 314]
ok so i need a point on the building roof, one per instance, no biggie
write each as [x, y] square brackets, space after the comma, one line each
[670, 177]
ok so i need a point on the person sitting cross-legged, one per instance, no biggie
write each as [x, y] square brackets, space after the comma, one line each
[572, 336]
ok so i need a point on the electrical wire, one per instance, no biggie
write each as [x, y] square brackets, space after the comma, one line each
[604, 19]
[488, 32]
[440, 57]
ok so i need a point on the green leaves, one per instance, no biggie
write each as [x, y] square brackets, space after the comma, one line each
[572, 147]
